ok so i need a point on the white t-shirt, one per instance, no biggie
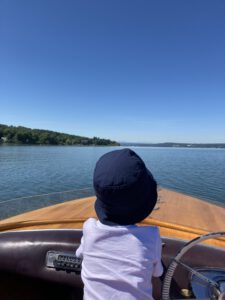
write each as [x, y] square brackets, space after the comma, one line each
[119, 261]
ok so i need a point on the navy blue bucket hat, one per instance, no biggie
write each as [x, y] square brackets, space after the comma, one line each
[125, 189]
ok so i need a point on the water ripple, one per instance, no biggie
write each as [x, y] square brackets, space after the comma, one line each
[27, 171]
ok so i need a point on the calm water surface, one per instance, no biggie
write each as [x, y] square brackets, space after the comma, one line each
[32, 170]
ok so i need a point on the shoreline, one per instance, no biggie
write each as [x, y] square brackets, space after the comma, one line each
[117, 145]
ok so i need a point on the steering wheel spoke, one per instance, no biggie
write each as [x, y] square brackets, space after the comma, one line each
[198, 274]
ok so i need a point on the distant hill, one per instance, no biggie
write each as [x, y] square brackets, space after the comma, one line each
[28, 136]
[181, 145]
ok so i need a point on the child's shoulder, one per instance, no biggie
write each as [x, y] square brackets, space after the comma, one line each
[151, 231]
[89, 223]
[148, 228]
[148, 235]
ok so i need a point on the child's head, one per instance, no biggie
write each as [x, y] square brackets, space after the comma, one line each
[126, 190]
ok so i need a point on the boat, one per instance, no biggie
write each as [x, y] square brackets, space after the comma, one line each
[37, 250]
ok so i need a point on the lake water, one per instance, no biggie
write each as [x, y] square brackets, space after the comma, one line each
[27, 171]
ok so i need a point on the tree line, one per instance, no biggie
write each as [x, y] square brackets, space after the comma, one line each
[28, 136]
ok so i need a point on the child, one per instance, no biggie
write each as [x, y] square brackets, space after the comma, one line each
[120, 258]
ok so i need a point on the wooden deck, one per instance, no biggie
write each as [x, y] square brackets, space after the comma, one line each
[177, 215]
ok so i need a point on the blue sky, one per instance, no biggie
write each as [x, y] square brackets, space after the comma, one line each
[136, 71]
